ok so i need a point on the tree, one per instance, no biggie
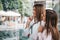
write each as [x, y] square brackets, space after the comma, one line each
[1, 5]
[9, 4]
[20, 7]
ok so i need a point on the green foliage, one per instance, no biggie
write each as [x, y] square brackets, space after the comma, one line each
[1, 5]
[26, 14]
[23, 6]
[9, 4]
[20, 7]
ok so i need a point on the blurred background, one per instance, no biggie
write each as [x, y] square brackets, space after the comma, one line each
[23, 8]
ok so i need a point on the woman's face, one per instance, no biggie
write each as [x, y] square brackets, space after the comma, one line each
[43, 15]
[34, 12]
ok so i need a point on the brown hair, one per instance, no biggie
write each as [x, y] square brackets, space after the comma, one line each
[39, 10]
[51, 24]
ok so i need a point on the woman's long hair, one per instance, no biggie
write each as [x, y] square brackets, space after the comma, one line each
[39, 10]
[51, 24]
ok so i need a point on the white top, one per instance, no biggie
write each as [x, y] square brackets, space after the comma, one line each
[27, 30]
[35, 27]
[44, 36]
[40, 36]
[33, 36]
[42, 23]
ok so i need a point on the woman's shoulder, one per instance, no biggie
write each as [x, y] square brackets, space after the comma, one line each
[47, 36]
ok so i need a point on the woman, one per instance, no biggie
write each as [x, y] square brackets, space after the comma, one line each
[50, 32]
[35, 23]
